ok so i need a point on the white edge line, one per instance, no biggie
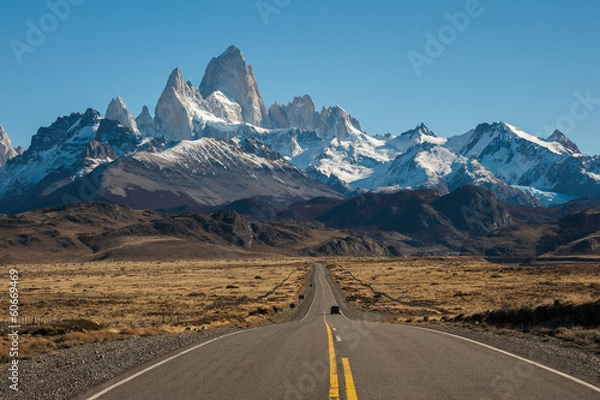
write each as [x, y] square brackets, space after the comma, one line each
[312, 303]
[333, 297]
[542, 366]
[158, 364]
[554, 371]
[338, 338]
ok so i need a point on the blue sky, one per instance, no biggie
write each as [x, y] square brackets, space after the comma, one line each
[534, 64]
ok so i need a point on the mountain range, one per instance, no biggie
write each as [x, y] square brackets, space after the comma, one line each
[469, 221]
[217, 143]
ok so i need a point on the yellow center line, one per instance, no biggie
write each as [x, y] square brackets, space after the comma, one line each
[334, 386]
[350, 389]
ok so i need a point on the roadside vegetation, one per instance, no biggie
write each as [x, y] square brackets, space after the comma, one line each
[561, 301]
[63, 305]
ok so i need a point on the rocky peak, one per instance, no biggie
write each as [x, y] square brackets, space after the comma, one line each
[122, 140]
[3, 135]
[172, 114]
[176, 81]
[483, 127]
[230, 75]
[252, 145]
[336, 122]
[300, 114]
[420, 130]
[117, 111]
[560, 137]
[146, 124]
[6, 150]
[62, 129]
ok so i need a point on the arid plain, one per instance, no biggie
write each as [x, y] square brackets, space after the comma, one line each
[69, 304]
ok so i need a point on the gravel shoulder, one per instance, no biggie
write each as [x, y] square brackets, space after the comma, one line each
[575, 360]
[67, 373]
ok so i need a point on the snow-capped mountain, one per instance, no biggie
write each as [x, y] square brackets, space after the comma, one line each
[218, 143]
[233, 79]
[71, 147]
[7, 151]
[87, 157]
[552, 165]
[428, 164]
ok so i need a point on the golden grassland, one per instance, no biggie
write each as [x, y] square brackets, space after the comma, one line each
[79, 303]
[441, 289]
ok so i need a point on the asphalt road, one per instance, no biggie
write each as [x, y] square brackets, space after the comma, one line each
[326, 356]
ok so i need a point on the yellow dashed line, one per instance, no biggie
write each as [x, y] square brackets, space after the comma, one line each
[350, 389]
[334, 386]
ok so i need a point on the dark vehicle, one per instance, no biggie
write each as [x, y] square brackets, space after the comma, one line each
[335, 310]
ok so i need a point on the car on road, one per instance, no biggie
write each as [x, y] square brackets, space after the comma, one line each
[335, 310]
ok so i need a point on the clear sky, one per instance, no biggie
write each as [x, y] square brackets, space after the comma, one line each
[531, 63]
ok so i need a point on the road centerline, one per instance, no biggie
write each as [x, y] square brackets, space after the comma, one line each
[334, 386]
[349, 379]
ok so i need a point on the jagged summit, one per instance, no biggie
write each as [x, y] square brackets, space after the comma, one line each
[175, 80]
[173, 110]
[217, 143]
[560, 137]
[300, 113]
[419, 130]
[7, 151]
[146, 124]
[230, 75]
[117, 111]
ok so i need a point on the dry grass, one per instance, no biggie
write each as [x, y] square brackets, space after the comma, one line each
[452, 286]
[117, 299]
[428, 290]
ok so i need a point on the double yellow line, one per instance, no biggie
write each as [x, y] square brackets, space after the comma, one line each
[334, 383]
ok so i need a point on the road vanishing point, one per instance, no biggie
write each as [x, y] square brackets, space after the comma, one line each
[342, 356]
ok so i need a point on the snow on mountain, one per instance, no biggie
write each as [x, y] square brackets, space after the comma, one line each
[560, 138]
[485, 139]
[521, 159]
[7, 151]
[429, 164]
[71, 147]
[352, 158]
[197, 155]
[423, 165]
[546, 198]
[230, 75]
[224, 130]
[421, 134]
[224, 109]
[364, 161]
[207, 172]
